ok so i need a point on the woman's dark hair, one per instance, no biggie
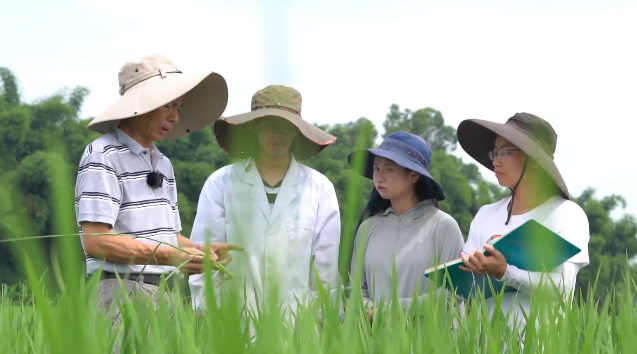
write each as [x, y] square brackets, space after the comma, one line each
[423, 191]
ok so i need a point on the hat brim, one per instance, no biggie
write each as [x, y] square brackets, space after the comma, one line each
[206, 100]
[367, 157]
[236, 139]
[477, 138]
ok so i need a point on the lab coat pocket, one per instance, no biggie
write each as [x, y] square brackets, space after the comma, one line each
[300, 237]
[300, 234]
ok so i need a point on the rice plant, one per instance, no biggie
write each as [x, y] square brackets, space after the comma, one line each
[55, 311]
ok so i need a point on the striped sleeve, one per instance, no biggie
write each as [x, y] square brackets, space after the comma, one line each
[98, 192]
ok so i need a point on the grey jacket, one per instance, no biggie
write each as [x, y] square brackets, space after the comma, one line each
[421, 238]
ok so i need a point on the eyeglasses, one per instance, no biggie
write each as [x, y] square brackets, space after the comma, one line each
[502, 154]
[275, 124]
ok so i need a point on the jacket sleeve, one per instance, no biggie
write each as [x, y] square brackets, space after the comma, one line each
[363, 228]
[208, 227]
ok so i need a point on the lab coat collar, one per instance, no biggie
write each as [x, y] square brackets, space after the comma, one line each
[286, 194]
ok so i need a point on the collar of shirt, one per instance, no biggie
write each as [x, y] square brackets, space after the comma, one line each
[252, 175]
[132, 144]
[416, 211]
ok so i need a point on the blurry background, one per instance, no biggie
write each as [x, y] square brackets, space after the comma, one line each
[422, 66]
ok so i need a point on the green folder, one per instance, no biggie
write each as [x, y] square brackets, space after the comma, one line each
[531, 246]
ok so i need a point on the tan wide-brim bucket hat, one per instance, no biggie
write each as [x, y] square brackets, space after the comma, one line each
[238, 141]
[156, 81]
[532, 134]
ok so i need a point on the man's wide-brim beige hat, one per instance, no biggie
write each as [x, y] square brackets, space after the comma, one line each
[238, 141]
[154, 82]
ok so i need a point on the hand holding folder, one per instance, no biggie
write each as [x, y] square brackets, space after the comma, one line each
[479, 263]
[531, 246]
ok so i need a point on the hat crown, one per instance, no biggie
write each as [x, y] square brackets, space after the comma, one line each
[538, 129]
[274, 96]
[410, 145]
[149, 66]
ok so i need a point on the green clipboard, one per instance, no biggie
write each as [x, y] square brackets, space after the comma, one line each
[531, 246]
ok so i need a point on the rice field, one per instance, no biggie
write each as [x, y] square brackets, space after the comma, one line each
[32, 321]
[55, 311]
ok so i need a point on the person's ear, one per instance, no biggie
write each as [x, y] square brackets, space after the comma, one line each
[415, 176]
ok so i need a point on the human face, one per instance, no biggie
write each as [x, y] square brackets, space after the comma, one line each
[154, 125]
[164, 118]
[508, 161]
[275, 135]
[393, 181]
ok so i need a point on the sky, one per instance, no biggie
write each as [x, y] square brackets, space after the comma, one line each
[573, 63]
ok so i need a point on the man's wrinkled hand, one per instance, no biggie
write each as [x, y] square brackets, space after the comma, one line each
[220, 251]
[190, 262]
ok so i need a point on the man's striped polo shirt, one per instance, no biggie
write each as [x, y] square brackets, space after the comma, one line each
[111, 188]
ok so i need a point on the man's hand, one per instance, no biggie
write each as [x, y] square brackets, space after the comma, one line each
[370, 314]
[477, 262]
[219, 251]
[194, 262]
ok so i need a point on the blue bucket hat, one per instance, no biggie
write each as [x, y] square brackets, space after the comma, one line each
[406, 150]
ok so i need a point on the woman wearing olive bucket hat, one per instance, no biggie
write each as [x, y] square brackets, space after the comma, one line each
[520, 153]
[405, 225]
[126, 185]
[284, 214]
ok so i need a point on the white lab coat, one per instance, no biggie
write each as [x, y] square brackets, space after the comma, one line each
[279, 241]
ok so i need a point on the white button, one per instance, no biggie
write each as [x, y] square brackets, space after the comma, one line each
[270, 232]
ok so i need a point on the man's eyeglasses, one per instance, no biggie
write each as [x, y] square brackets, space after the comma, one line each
[502, 154]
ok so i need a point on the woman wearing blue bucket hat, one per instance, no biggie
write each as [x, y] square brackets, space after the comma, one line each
[401, 223]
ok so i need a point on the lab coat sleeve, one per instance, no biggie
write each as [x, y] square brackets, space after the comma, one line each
[327, 238]
[208, 227]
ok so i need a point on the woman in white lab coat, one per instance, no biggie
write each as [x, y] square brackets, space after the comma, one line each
[284, 214]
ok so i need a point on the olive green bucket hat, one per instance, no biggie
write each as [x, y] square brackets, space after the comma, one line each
[238, 141]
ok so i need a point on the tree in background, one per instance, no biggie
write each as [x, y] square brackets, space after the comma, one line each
[612, 244]
[465, 188]
[29, 132]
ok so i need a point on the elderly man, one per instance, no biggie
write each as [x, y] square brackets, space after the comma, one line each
[126, 186]
[283, 213]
